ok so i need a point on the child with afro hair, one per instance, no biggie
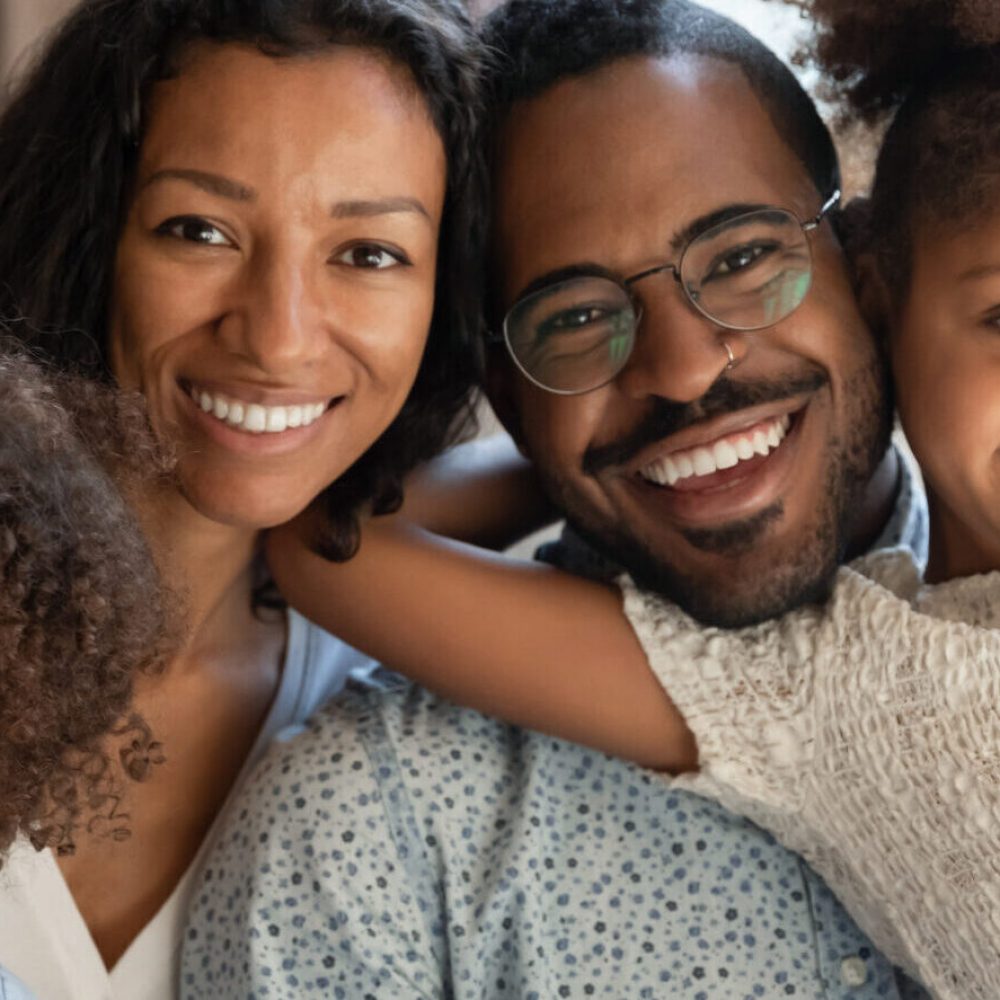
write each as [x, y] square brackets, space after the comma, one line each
[81, 608]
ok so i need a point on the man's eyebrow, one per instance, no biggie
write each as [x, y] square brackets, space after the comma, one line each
[718, 217]
[363, 209]
[212, 183]
[582, 270]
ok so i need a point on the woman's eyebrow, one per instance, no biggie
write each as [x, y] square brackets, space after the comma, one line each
[378, 206]
[225, 187]
[212, 183]
[982, 271]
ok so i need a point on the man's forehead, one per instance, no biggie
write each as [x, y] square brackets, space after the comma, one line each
[620, 160]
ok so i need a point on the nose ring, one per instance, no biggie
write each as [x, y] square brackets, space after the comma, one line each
[732, 362]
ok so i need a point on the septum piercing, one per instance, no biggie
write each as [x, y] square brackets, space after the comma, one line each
[731, 363]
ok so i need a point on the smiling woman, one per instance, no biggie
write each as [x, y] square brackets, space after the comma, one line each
[264, 219]
[307, 264]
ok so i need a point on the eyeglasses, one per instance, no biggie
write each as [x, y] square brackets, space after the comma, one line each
[746, 273]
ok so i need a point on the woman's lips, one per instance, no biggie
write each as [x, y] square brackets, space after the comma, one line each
[213, 414]
[253, 417]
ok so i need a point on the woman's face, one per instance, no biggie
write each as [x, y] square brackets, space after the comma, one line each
[945, 347]
[274, 281]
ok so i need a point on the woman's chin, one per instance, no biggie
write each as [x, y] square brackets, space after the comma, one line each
[247, 508]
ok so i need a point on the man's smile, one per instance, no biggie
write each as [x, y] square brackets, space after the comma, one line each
[726, 471]
[686, 468]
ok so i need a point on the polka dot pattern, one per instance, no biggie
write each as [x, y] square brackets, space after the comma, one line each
[405, 848]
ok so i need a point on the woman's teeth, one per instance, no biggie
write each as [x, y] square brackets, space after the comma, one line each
[255, 418]
[726, 453]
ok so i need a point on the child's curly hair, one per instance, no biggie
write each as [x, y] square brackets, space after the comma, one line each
[935, 66]
[81, 608]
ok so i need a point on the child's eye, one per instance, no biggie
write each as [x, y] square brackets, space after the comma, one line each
[373, 257]
[192, 229]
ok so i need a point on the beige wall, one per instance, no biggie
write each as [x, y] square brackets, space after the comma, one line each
[21, 22]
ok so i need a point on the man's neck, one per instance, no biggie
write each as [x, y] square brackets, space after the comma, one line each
[877, 505]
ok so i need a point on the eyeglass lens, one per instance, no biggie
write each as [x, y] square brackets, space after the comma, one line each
[745, 274]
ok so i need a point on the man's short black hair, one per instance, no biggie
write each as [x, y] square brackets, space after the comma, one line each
[540, 42]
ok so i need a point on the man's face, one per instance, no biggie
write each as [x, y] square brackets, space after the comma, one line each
[610, 171]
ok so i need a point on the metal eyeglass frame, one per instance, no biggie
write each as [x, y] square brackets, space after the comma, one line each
[807, 226]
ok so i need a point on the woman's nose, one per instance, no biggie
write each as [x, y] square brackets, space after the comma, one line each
[281, 320]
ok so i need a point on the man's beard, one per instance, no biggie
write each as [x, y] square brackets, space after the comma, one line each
[805, 576]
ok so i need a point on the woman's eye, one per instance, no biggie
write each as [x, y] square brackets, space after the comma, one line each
[371, 257]
[194, 230]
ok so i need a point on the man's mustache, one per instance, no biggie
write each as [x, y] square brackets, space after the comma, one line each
[667, 418]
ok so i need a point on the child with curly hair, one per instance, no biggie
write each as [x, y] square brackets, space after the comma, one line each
[864, 733]
[81, 609]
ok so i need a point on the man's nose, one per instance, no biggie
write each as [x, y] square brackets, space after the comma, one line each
[280, 320]
[679, 353]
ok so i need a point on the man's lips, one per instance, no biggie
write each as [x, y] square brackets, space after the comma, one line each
[741, 450]
[725, 496]
[728, 406]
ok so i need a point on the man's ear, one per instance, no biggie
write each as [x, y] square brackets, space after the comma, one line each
[874, 296]
[500, 382]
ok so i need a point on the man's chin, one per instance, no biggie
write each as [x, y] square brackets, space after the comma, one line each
[737, 539]
[742, 602]
[758, 583]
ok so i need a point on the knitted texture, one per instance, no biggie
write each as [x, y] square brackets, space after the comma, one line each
[865, 735]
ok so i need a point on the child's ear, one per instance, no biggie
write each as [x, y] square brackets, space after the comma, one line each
[500, 383]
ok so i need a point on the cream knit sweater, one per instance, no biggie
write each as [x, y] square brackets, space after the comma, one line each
[865, 735]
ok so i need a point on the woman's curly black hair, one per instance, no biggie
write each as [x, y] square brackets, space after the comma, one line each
[81, 607]
[69, 142]
[933, 68]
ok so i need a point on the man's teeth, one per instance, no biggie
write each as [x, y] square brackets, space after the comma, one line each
[257, 419]
[726, 453]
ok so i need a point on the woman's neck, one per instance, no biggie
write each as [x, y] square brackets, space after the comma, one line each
[210, 566]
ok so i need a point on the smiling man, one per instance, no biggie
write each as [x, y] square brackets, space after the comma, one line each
[703, 398]
[687, 366]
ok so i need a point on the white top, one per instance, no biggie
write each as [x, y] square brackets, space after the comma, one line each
[865, 735]
[43, 938]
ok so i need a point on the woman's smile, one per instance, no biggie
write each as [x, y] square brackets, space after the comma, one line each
[275, 277]
[247, 412]
[248, 422]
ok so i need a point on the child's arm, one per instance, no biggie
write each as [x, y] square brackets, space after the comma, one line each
[483, 492]
[518, 640]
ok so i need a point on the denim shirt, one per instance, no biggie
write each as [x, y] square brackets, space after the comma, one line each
[402, 847]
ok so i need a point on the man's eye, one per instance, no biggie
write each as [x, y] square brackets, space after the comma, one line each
[572, 319]
[194, 230]
[372, 257]
[739, 259]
